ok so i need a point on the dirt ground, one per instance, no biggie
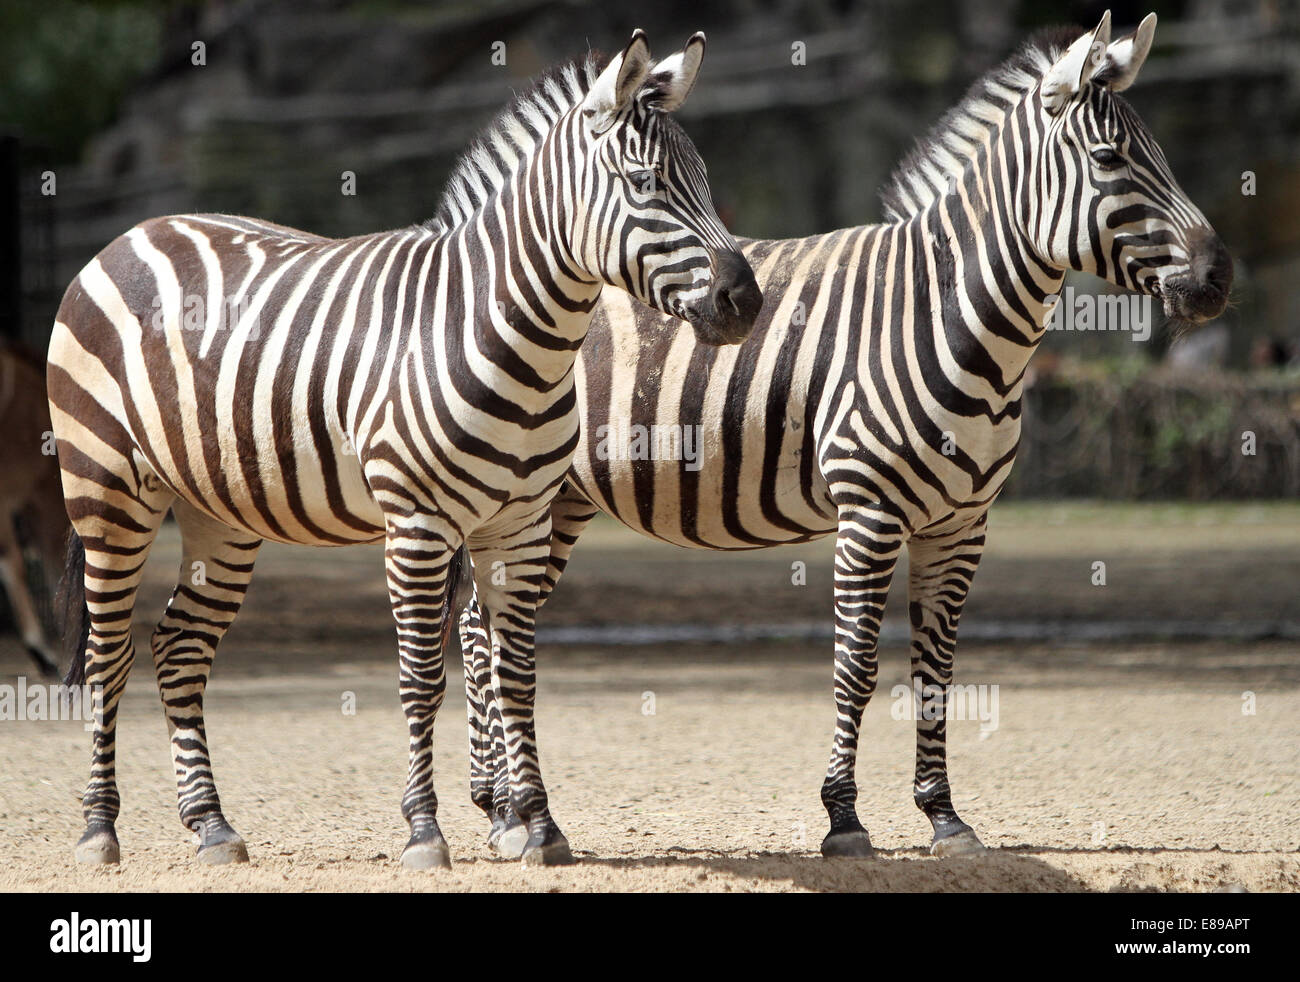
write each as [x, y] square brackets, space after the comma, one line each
[1123, 765]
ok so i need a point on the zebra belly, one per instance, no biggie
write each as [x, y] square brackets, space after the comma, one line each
[714, 501]
[312, 520]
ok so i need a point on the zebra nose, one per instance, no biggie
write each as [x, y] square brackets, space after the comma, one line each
[1202, 293]
[736, 295]
[1211, 265]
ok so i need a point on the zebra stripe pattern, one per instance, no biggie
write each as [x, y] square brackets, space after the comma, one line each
[413, 387]
[879, 396]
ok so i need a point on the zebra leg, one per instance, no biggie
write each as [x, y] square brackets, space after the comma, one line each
[940, 574]
[473, 648]
[489, 777]
[507, 578]
[571, 513]
[866, 552]
[417, 558]
[116, 532]
[216, 567]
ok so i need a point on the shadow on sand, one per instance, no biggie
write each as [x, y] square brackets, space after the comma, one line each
[889, 871]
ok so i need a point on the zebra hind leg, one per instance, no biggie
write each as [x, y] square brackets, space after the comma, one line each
[510, 831]
[939, 577]
[116, 537]
[481, 764]
[571, 513]
[216, 567]
[507, 575]
[489, 784]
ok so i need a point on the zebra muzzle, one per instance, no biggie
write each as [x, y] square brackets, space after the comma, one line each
[734, 301]
[1201, 293]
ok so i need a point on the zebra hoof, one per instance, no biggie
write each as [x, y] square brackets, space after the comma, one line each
[426, 849]
[553, 853]
[848, 845]
[964, 843]
[428, 853]
[98, 845]
[219, 844]
[223, 853]
[509, 841]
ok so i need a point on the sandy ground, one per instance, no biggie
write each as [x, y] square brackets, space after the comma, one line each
[1126, 766]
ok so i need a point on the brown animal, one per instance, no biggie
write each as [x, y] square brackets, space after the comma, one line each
[32, 515]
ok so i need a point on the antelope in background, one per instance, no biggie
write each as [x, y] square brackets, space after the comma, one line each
[32, 515]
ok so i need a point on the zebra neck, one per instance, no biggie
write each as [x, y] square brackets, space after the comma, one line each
[525, 286]
[992, 296]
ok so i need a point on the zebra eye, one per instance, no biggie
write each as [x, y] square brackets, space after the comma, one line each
[1107, 158]
[645, 181]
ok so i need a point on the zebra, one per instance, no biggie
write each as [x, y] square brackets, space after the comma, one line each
[879, 396]
[413, 387]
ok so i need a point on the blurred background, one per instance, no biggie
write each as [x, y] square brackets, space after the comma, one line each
[112, 112]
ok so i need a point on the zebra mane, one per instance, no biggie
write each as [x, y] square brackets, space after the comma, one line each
[947, 150]
[510, 138]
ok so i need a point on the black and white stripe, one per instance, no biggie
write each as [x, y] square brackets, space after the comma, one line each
[879, 396]
[414, 387]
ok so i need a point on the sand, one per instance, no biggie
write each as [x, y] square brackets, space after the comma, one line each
[1124, 766]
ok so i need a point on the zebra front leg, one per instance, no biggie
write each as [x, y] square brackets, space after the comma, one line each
[866, 553]
[940, 572]
[507, 577]
[216, 567]
[417, 558]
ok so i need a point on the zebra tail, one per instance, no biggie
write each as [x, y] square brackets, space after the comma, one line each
[74, 614]
[455, 570]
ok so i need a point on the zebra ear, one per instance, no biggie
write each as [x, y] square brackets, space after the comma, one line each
[671, 81]
[612, 92]
[1126, 56]
[1064, 79]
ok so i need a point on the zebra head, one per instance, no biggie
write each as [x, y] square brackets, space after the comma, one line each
[1104, 200]
[645, 216]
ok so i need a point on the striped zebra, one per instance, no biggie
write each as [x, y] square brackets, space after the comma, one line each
[413, 387]
[879, 396]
